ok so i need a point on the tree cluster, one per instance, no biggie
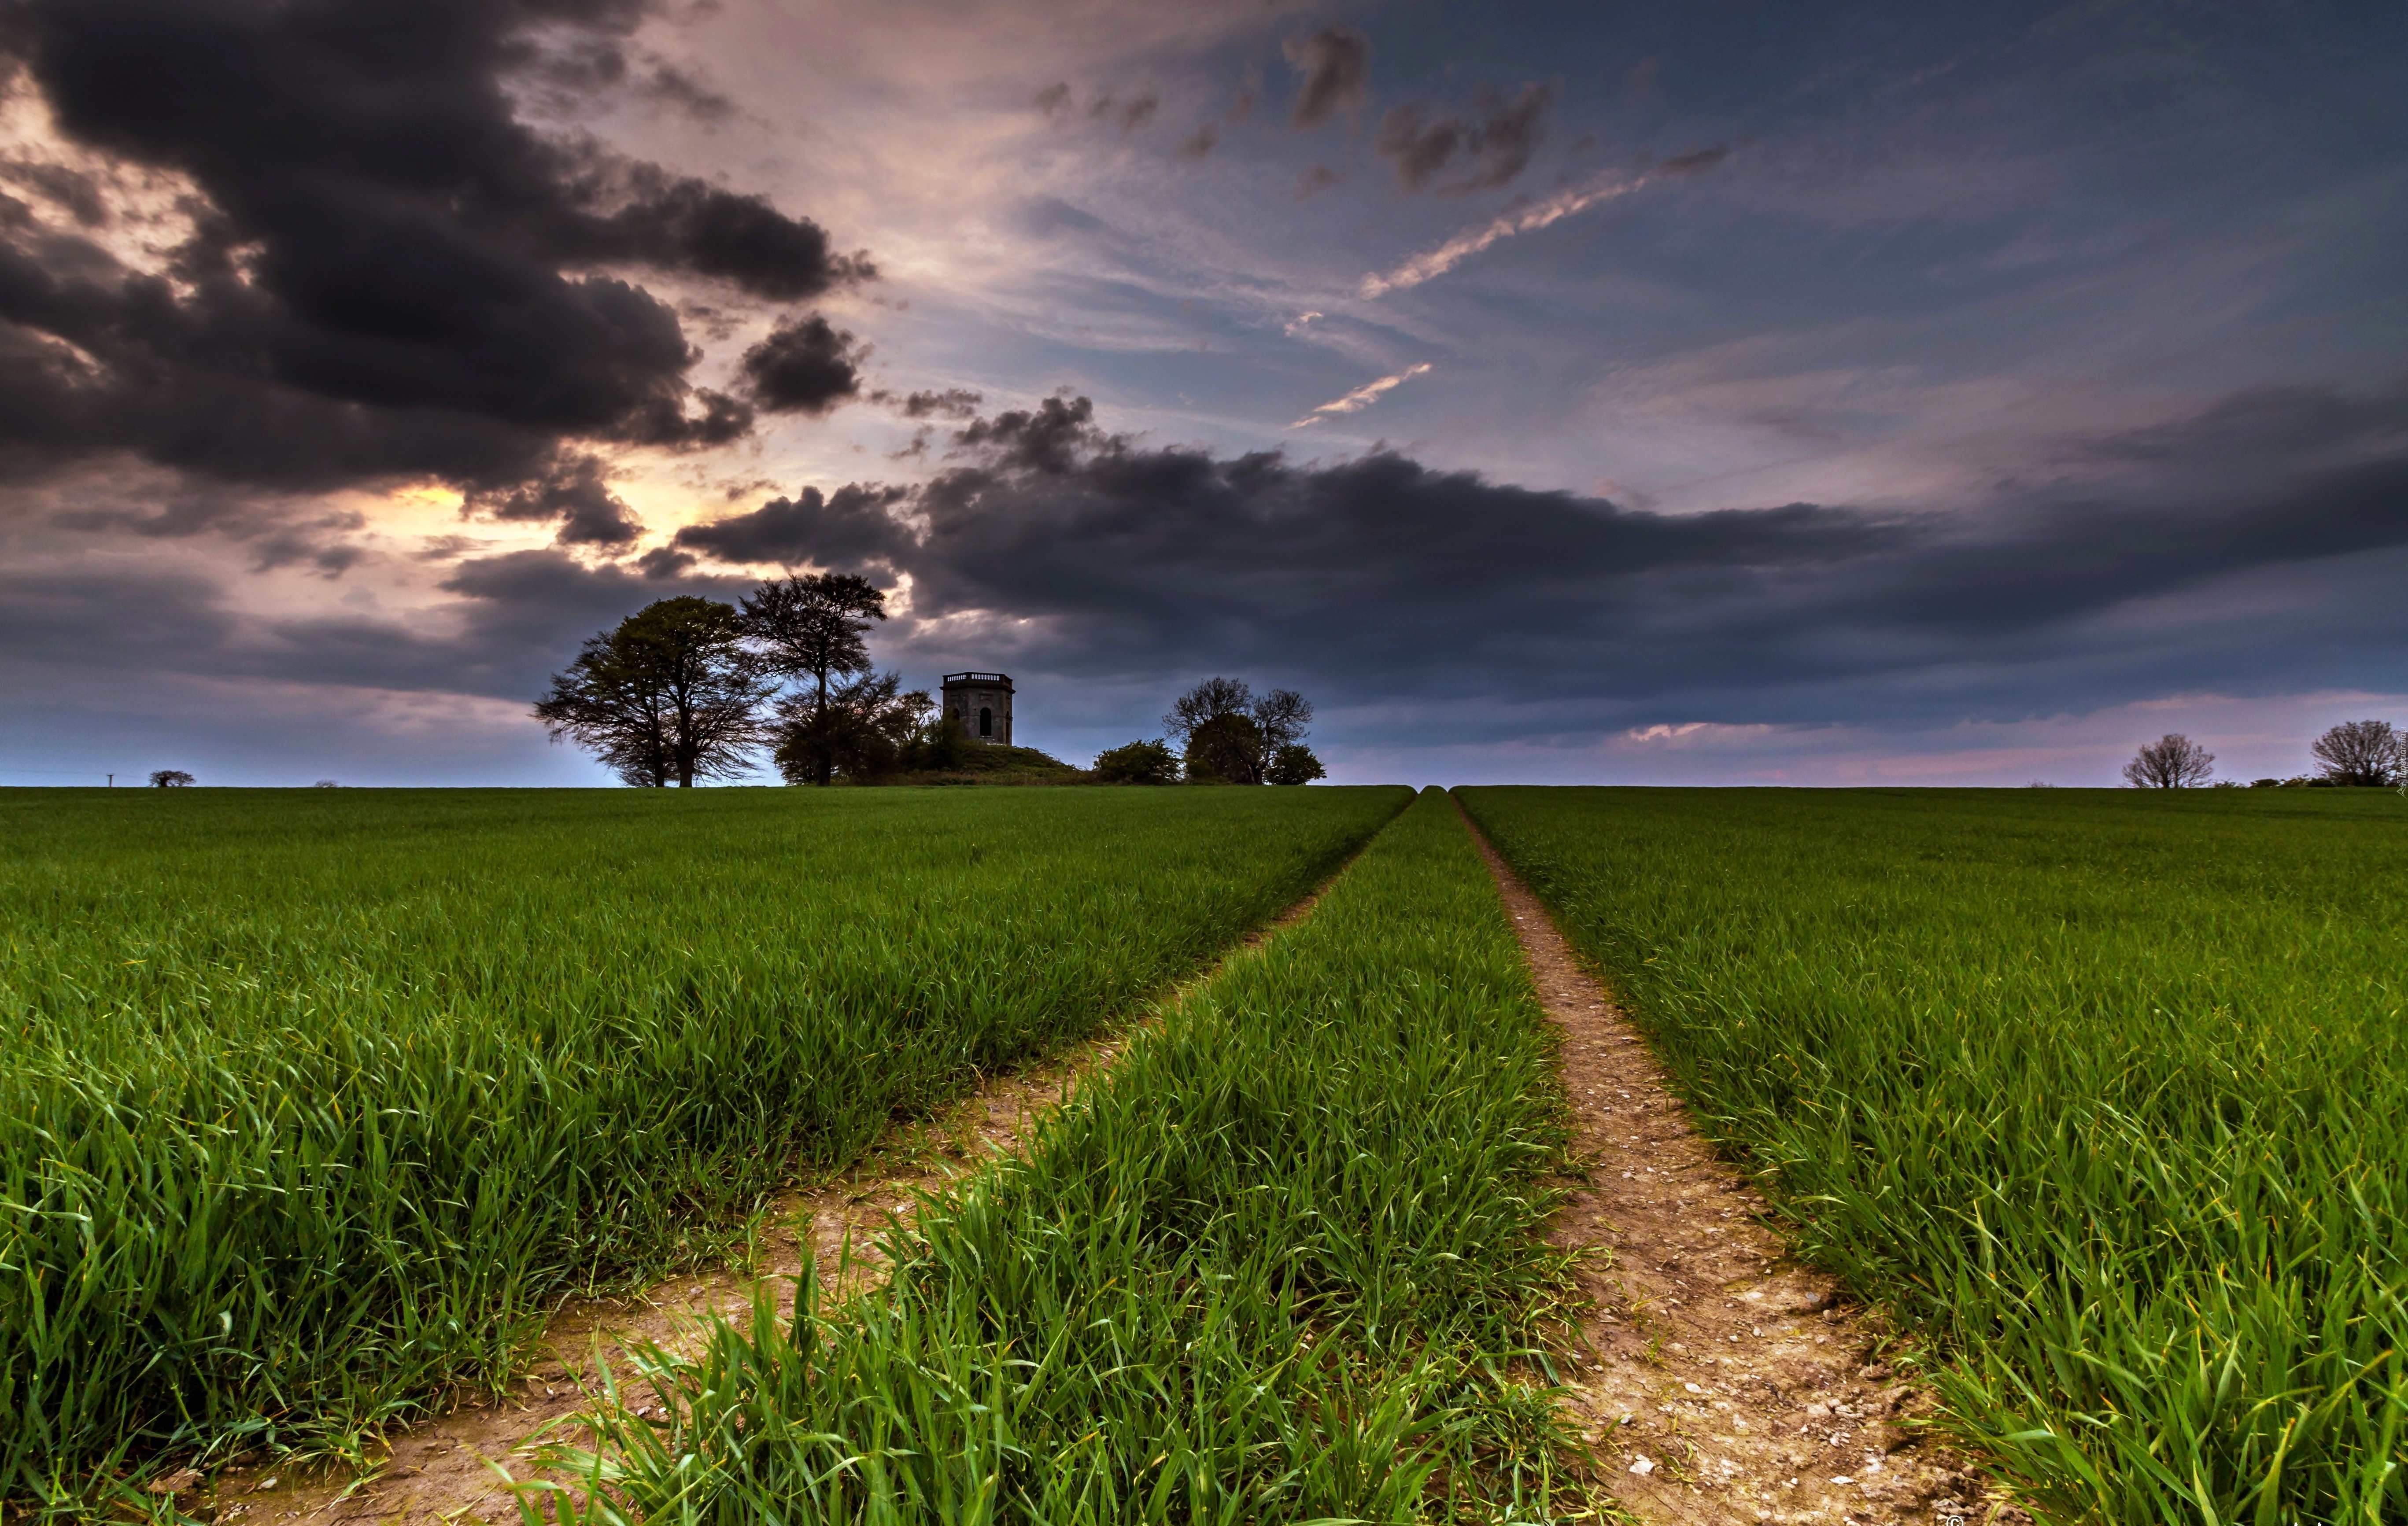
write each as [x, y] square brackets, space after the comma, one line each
[1226, 734]
[2357, 753]
[689, 687]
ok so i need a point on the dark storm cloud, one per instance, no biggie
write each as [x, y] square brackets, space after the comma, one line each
[1335, 63]
[275, 531]
[1385, 578]
[1047, 440]
[577, 494]
[952, 403]
[393, 275]
[853, 526]
[73, 190]
[806, 365]
[1380, 580]
[1491, 148]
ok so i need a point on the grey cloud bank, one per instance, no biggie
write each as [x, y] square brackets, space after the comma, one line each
[1863, 382]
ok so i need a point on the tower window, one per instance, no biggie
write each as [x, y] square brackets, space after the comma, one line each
[986, 721]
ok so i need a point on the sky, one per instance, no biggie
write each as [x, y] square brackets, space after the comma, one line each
[1718, 394]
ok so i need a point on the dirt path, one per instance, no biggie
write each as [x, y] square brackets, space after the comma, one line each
[1729, 1384]
[439, 1470]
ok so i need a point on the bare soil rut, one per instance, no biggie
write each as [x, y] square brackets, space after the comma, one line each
[442, 1470]
[1725, 1382]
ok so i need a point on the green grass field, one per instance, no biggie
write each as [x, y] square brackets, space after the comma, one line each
[2108, 1090]
[312, 1102]
[1276, 1266]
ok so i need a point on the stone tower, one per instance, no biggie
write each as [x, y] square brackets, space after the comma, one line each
[981, 701]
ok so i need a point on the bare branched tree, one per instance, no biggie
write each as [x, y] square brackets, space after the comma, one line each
[2173, 762]
[2361, 752]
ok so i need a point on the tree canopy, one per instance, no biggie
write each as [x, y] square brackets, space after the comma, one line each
[1231, 734]
[671, 694]
[815, 626]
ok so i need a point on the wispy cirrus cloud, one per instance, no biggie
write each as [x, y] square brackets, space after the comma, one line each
[1530, 217]
[1363, 396]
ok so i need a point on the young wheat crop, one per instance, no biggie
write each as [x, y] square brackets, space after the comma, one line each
[2109, 1090]
[1279, 1264]
[313, 1103]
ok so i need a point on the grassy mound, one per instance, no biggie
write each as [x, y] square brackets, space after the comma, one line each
[984, 764]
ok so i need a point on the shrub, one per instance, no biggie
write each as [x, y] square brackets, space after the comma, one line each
[1138, 762]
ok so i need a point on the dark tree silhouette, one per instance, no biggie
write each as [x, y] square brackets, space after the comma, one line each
[812, 627]
[1138, 762]
[1230, 733]
[170, 779]
[671, 695]
[1295, 764]
[2361, 752]
[2173, 762]
[855, 730]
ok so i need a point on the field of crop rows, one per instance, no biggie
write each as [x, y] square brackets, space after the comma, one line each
[2107, 1091]
[315, 1106]
[313, 1103]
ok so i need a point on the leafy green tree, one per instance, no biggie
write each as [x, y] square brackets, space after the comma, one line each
[671, 694]
[1138, 762]
[816, 627]
[1230, 733]
[1295, 764]
[1225, 749]
[942, 745]
[856, 730]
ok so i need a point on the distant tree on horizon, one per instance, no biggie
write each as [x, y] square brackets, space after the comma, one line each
[1138, 762]
[170, 779]
[1295, 764]
[2173, 762]
[2362, 753]
[1228, 733]
[672, 693]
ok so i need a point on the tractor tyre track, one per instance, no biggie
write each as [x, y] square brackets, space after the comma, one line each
[443, 1469]
[1719, 1380]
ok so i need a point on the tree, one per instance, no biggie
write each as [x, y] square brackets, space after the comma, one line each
[855, 730]
[1231, 735]
[814, 627]
[170, 779]
[1295, 765]
[2361, 752]
[942, 745]
[1138, 762]
[2173, 762]
[671, 694]
[1225, 749]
